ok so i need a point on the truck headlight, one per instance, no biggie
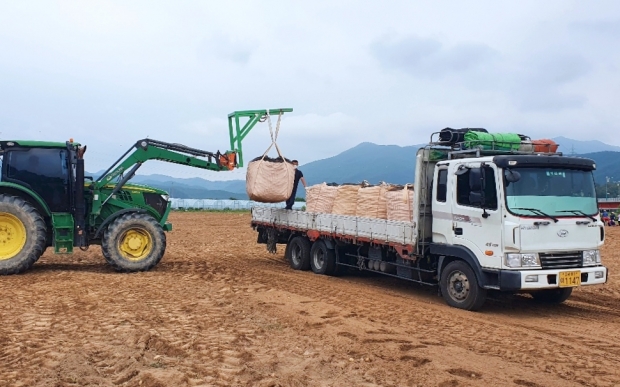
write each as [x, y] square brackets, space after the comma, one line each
[591, 257]
[522, 260]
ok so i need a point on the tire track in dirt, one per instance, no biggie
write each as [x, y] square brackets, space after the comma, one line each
[557, 356]
[219, 310]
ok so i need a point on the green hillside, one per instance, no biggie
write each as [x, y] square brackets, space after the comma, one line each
[366, 161]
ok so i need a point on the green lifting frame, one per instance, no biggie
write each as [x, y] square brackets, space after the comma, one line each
[238, 133]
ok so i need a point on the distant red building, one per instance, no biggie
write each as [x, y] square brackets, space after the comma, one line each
[609, 204]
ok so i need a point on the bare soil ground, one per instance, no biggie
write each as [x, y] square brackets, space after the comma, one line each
[219, 310]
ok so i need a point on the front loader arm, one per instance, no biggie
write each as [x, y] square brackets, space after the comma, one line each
[148, 149]
[143, 150]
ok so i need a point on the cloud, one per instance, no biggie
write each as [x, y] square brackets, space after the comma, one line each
[223, 47]
[601, 28]
[542, 82]
[427, 57]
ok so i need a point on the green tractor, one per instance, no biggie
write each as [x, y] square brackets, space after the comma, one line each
[46, 201]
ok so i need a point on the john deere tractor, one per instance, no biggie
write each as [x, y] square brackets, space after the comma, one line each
[46, 201]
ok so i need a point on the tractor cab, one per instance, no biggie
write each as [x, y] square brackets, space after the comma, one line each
[42, 167]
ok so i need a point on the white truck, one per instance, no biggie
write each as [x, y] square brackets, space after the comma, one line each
[519, 222]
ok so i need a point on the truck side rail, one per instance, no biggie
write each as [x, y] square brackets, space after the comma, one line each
[401, 235]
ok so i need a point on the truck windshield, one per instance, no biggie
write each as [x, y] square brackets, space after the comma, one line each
[556, 191]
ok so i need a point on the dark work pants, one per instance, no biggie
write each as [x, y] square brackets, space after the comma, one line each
[291, 200]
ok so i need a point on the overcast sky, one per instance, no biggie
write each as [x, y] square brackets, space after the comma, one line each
[108, 73]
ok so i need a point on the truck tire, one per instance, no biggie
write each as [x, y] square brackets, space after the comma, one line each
[322, 259]
[459, 286]
[298, 253]
[133, 242]
[22, 235]
[552, 296]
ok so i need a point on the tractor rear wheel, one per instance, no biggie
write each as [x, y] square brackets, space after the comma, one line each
[22, 235]
[133, 242]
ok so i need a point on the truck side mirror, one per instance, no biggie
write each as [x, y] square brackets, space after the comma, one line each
[512, 176]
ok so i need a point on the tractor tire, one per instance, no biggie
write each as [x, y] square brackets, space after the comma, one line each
[298, 253]
[22, 235]
[133, 242]
[459, 286]
[552, 296]
[322, 259]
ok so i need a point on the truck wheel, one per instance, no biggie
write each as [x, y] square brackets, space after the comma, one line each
[133, 242]
[552, 296]
[322, 259]
[298, 251]
[460, 288]
[22, 235]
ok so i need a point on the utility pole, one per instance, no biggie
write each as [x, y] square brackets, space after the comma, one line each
[606, 184]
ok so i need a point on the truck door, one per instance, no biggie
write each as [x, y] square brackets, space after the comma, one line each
[476, 221]
[442, 209]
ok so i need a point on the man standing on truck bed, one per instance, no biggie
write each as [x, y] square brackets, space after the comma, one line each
[298, 176]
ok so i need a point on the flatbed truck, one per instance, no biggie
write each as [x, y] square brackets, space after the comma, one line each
[483, 219]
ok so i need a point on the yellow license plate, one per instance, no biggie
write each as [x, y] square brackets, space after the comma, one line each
[570, 278]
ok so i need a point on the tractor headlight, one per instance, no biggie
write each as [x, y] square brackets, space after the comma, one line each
[522, 260]
[591, 257]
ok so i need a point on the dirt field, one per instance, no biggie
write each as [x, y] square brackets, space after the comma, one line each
[221, 311]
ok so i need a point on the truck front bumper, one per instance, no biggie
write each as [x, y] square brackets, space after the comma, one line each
[512, 280]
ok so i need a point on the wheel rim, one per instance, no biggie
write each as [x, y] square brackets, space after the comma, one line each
[135, 244]
[296, 254]
[319, 259]
[12, 236]
[458, 286]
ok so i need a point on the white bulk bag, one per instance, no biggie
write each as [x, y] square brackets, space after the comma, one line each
[270, 180]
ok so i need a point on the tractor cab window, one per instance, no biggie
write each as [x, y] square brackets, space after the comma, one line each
[45, 171]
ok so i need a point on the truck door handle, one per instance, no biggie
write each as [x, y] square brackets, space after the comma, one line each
[458, 231]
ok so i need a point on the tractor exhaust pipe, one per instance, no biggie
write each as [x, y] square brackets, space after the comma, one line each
[80, 205]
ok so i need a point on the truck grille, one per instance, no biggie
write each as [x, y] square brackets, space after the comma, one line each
[568, 260]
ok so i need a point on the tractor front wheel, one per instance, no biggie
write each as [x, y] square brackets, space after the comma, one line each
[22, 235]
[133, 242]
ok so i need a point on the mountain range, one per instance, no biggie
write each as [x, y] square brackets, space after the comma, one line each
[371, 162]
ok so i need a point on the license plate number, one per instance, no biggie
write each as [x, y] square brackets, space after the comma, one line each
[570, 278]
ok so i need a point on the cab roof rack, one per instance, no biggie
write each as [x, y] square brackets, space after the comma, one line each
[465, 149]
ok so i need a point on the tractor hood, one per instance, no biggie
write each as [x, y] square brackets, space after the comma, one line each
[137, 188]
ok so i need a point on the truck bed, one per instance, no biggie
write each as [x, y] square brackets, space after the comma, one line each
[339, 226]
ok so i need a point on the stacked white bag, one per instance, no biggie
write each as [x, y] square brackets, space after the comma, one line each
[346, 200]
[320, 198]
[400, 203]
[372, 202]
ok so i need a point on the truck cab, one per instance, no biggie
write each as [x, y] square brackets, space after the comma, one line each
[524, 223]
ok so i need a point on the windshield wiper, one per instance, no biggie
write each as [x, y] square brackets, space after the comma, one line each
[578, 212]
[537, 212]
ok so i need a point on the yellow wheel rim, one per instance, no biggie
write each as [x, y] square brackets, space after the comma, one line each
[12, 235]
[135, 244]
